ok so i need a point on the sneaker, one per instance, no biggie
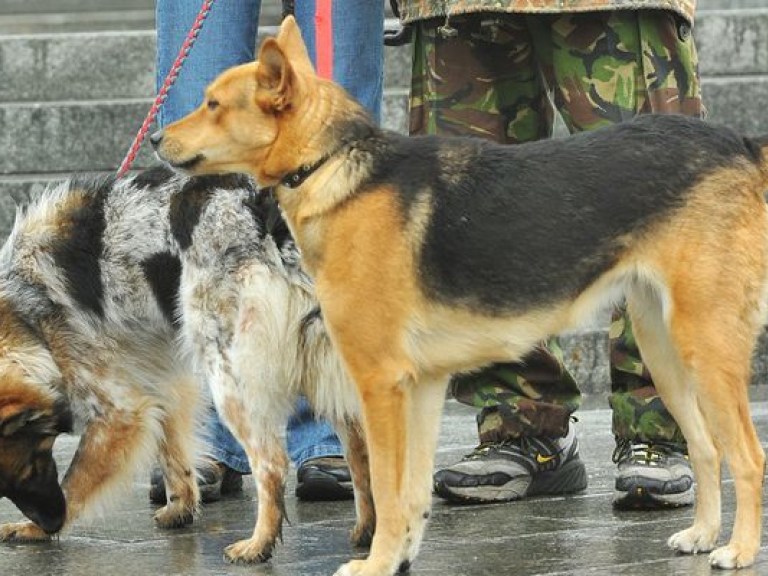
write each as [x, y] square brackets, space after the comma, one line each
[650, 476]
[515, 469]
[214, 480]
[325, 478]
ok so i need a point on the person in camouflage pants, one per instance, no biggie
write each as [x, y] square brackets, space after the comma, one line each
[501, 73]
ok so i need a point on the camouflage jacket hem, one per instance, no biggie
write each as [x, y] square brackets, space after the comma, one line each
[414, 10]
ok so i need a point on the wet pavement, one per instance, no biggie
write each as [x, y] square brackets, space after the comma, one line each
[574, 535]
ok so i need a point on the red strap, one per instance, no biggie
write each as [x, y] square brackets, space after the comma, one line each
[324, 38]
[173, 73]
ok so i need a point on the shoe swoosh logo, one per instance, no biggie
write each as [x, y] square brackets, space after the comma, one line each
[541, 459]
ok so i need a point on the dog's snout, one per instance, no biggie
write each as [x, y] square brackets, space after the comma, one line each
[155, 138]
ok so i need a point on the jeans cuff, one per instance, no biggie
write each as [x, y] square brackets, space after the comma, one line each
[234, 461]
[317, 451]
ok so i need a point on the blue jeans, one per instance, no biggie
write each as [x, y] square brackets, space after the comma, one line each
[227, 39]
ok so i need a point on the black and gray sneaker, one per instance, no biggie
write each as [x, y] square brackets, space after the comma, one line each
[515, 469]
[649, 476]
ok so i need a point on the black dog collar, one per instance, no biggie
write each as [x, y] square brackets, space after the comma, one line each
[297, 177]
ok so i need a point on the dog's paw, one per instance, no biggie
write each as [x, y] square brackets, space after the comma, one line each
[733, 556]
[249, 551]
[693, 540]
[361, 535]
[22, 532]
[171, 516]
[352, 568]
[366, 568]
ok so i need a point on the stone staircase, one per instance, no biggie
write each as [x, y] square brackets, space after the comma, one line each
[77, 82]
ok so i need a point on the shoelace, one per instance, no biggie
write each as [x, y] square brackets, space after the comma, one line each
[521, 444]
[641, 451]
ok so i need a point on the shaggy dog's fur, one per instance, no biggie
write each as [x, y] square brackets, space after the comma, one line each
[113, 295]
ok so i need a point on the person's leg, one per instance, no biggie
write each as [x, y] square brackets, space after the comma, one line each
[484, 81]
[607, 68]
[223, 445]
[227, 38]
[315, 449]
[345, 41]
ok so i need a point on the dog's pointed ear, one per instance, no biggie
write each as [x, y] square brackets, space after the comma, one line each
[274, 77]
[291, 41]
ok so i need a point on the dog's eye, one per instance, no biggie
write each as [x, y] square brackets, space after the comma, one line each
[212, 105]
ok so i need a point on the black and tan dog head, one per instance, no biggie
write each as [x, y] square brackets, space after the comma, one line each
[266, 118]
[30, 420]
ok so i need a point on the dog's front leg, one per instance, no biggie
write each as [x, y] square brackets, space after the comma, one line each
[385, 412]
[110, 449]
[426, 409]
[22, 532]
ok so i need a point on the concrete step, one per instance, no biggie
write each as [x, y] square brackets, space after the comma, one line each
[68, 136]
[738, 102]
[703, 5]
[732, 43]
[80, 66]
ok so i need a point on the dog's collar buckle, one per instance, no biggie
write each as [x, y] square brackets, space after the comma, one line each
[297, 178]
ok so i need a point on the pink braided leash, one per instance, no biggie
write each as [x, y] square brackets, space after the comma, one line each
[170, 78]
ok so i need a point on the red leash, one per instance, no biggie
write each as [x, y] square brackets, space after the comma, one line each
[173, 73]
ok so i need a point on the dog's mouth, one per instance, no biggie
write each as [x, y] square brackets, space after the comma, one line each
[188, 164]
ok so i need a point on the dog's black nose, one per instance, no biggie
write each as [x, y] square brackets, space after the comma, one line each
[156, 138]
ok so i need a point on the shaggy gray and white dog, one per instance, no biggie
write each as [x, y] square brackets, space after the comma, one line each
[117, 297]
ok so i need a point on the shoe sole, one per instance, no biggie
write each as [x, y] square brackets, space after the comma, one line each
[639, 498]
[571, 478]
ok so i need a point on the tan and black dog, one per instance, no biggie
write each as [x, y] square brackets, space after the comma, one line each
[437, 255]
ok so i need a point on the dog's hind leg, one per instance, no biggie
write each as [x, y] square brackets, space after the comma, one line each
[356, 455]
[723, 344]
[177, 461]
[677, 388]
[269, 465]
[426, 408]
[700, 363]
[258, 433]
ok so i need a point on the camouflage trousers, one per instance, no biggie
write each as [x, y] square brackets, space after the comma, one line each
[503, 77]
